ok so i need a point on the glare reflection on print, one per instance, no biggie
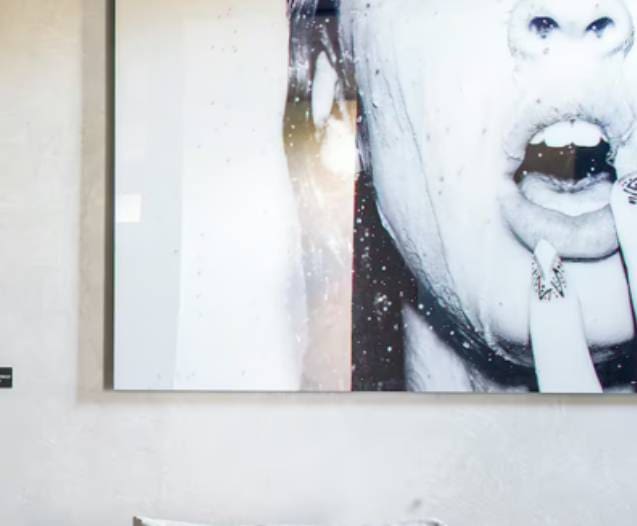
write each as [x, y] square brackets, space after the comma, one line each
[491, 136]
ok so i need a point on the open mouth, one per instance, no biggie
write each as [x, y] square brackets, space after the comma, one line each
[567, 167]
[561, 191]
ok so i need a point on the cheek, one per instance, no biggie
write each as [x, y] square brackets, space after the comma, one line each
[491, 273]
[462, 146]
[464, 189]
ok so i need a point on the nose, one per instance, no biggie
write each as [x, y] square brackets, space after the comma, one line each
[600, 27]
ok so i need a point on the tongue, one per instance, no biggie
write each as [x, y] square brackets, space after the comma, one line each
[569, 163]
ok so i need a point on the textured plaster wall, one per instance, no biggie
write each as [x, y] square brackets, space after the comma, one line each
[73, 453]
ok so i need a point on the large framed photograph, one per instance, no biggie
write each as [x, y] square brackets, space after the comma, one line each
[376, 195]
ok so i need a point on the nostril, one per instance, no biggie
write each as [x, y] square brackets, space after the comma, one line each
[554, 28]
[543, 25]
[600, 25]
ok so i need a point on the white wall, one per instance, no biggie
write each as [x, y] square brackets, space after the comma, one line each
[75, 454]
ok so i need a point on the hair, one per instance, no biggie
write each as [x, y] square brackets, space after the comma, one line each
[315, 28]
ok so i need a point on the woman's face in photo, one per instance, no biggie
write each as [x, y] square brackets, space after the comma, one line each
[494, 125]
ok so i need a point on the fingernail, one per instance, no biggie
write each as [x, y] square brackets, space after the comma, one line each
[629, 187]
[549, 280]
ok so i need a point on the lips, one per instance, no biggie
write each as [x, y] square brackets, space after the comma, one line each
[561, 189]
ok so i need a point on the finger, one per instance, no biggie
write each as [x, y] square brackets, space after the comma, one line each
[563, 363]
[623, 203]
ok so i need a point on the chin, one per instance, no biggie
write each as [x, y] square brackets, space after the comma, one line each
[499, 311]
[486, 290]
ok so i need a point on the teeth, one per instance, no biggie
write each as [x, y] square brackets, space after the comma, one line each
[586, 134]
[560, 134]
[579, 133]
[538, 138]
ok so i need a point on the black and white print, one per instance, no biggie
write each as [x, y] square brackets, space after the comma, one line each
[385, 195]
